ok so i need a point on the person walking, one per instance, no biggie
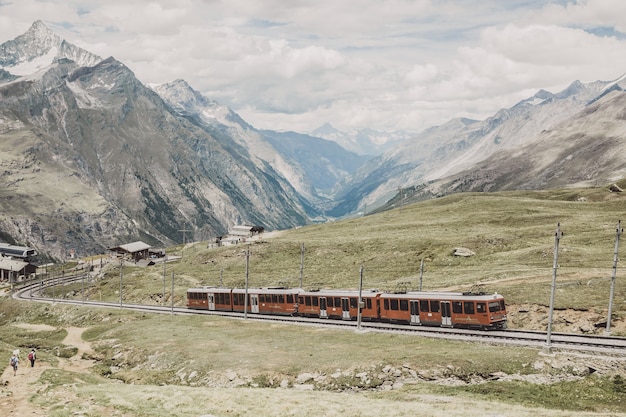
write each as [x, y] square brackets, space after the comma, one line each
[14, 362]
[32, 356]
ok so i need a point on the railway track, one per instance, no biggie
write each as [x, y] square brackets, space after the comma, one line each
[592, 344]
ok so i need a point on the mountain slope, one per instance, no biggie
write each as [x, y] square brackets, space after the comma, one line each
[458, 145]
[93, 157]
[310, 165]
[586, 150]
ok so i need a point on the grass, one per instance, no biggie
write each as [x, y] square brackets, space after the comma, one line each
[511, 234]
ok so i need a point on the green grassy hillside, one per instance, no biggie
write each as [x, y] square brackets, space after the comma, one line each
[511, 234]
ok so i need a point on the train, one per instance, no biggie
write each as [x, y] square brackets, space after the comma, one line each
[469, 310]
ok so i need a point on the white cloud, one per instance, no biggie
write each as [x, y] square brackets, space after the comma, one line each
[385, 64]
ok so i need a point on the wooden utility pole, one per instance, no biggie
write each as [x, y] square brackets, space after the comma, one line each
[184, 231]
[301, 263]
[557, 237]
[618, 233]
[172, 293]
[164, 271]
[245, 300]
[121, 269]
[360, 305]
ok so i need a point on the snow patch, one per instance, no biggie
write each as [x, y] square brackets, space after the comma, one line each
[37, 64]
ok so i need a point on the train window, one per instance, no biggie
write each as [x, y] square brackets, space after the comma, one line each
[434, 306]
[424, 306]
[468, 307]
[457, 307]
[337, 302]
[301, 300]
[404, 305]
[353, 302]
[315, 301]
[502, 308]
[219, 298]
[290, 298]
[386, 304]
[394, 304]
[227, 299]
[481, 308]
[281, 298]
[307, 301]
[235, 300]
[494, 306]
[369, 303]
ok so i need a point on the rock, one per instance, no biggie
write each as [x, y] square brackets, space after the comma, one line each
[464, 252]
[397, 385]
[305, 377]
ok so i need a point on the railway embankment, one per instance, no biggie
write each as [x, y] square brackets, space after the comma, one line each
[548, 369]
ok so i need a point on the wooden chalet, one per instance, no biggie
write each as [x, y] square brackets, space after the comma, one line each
[135, 250]
[14, 270]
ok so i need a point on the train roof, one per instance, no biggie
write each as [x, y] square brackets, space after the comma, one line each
[243, 290]
[209, 289]
[268, 290]
[340, 293]
[444, 295]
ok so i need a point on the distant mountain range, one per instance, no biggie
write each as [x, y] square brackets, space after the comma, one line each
[91, 157]
[478, 155]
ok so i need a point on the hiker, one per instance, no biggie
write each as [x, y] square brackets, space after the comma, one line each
[14, 362]
[32, 356]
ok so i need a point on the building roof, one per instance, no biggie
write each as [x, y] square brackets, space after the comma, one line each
[9, 264]
[241, 230]
[132, 247]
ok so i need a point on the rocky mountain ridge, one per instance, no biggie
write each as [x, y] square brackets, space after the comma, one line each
[92, 157]
[464, 145]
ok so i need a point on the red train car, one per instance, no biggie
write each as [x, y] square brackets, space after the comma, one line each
[210, 298]
[338, 304]
[281, 301]
[446, 309]
[260, 300]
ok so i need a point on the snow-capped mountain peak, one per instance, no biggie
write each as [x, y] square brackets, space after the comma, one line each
[38, 48]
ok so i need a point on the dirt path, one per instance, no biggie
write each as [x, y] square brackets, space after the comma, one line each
[15, 391]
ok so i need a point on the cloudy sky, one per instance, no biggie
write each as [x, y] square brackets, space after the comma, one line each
[383, 64]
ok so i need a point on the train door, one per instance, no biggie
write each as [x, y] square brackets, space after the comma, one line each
[446, 316]
[212, 302]
[415, 311]
[254, 303]
[323, 312]
[345, 308]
